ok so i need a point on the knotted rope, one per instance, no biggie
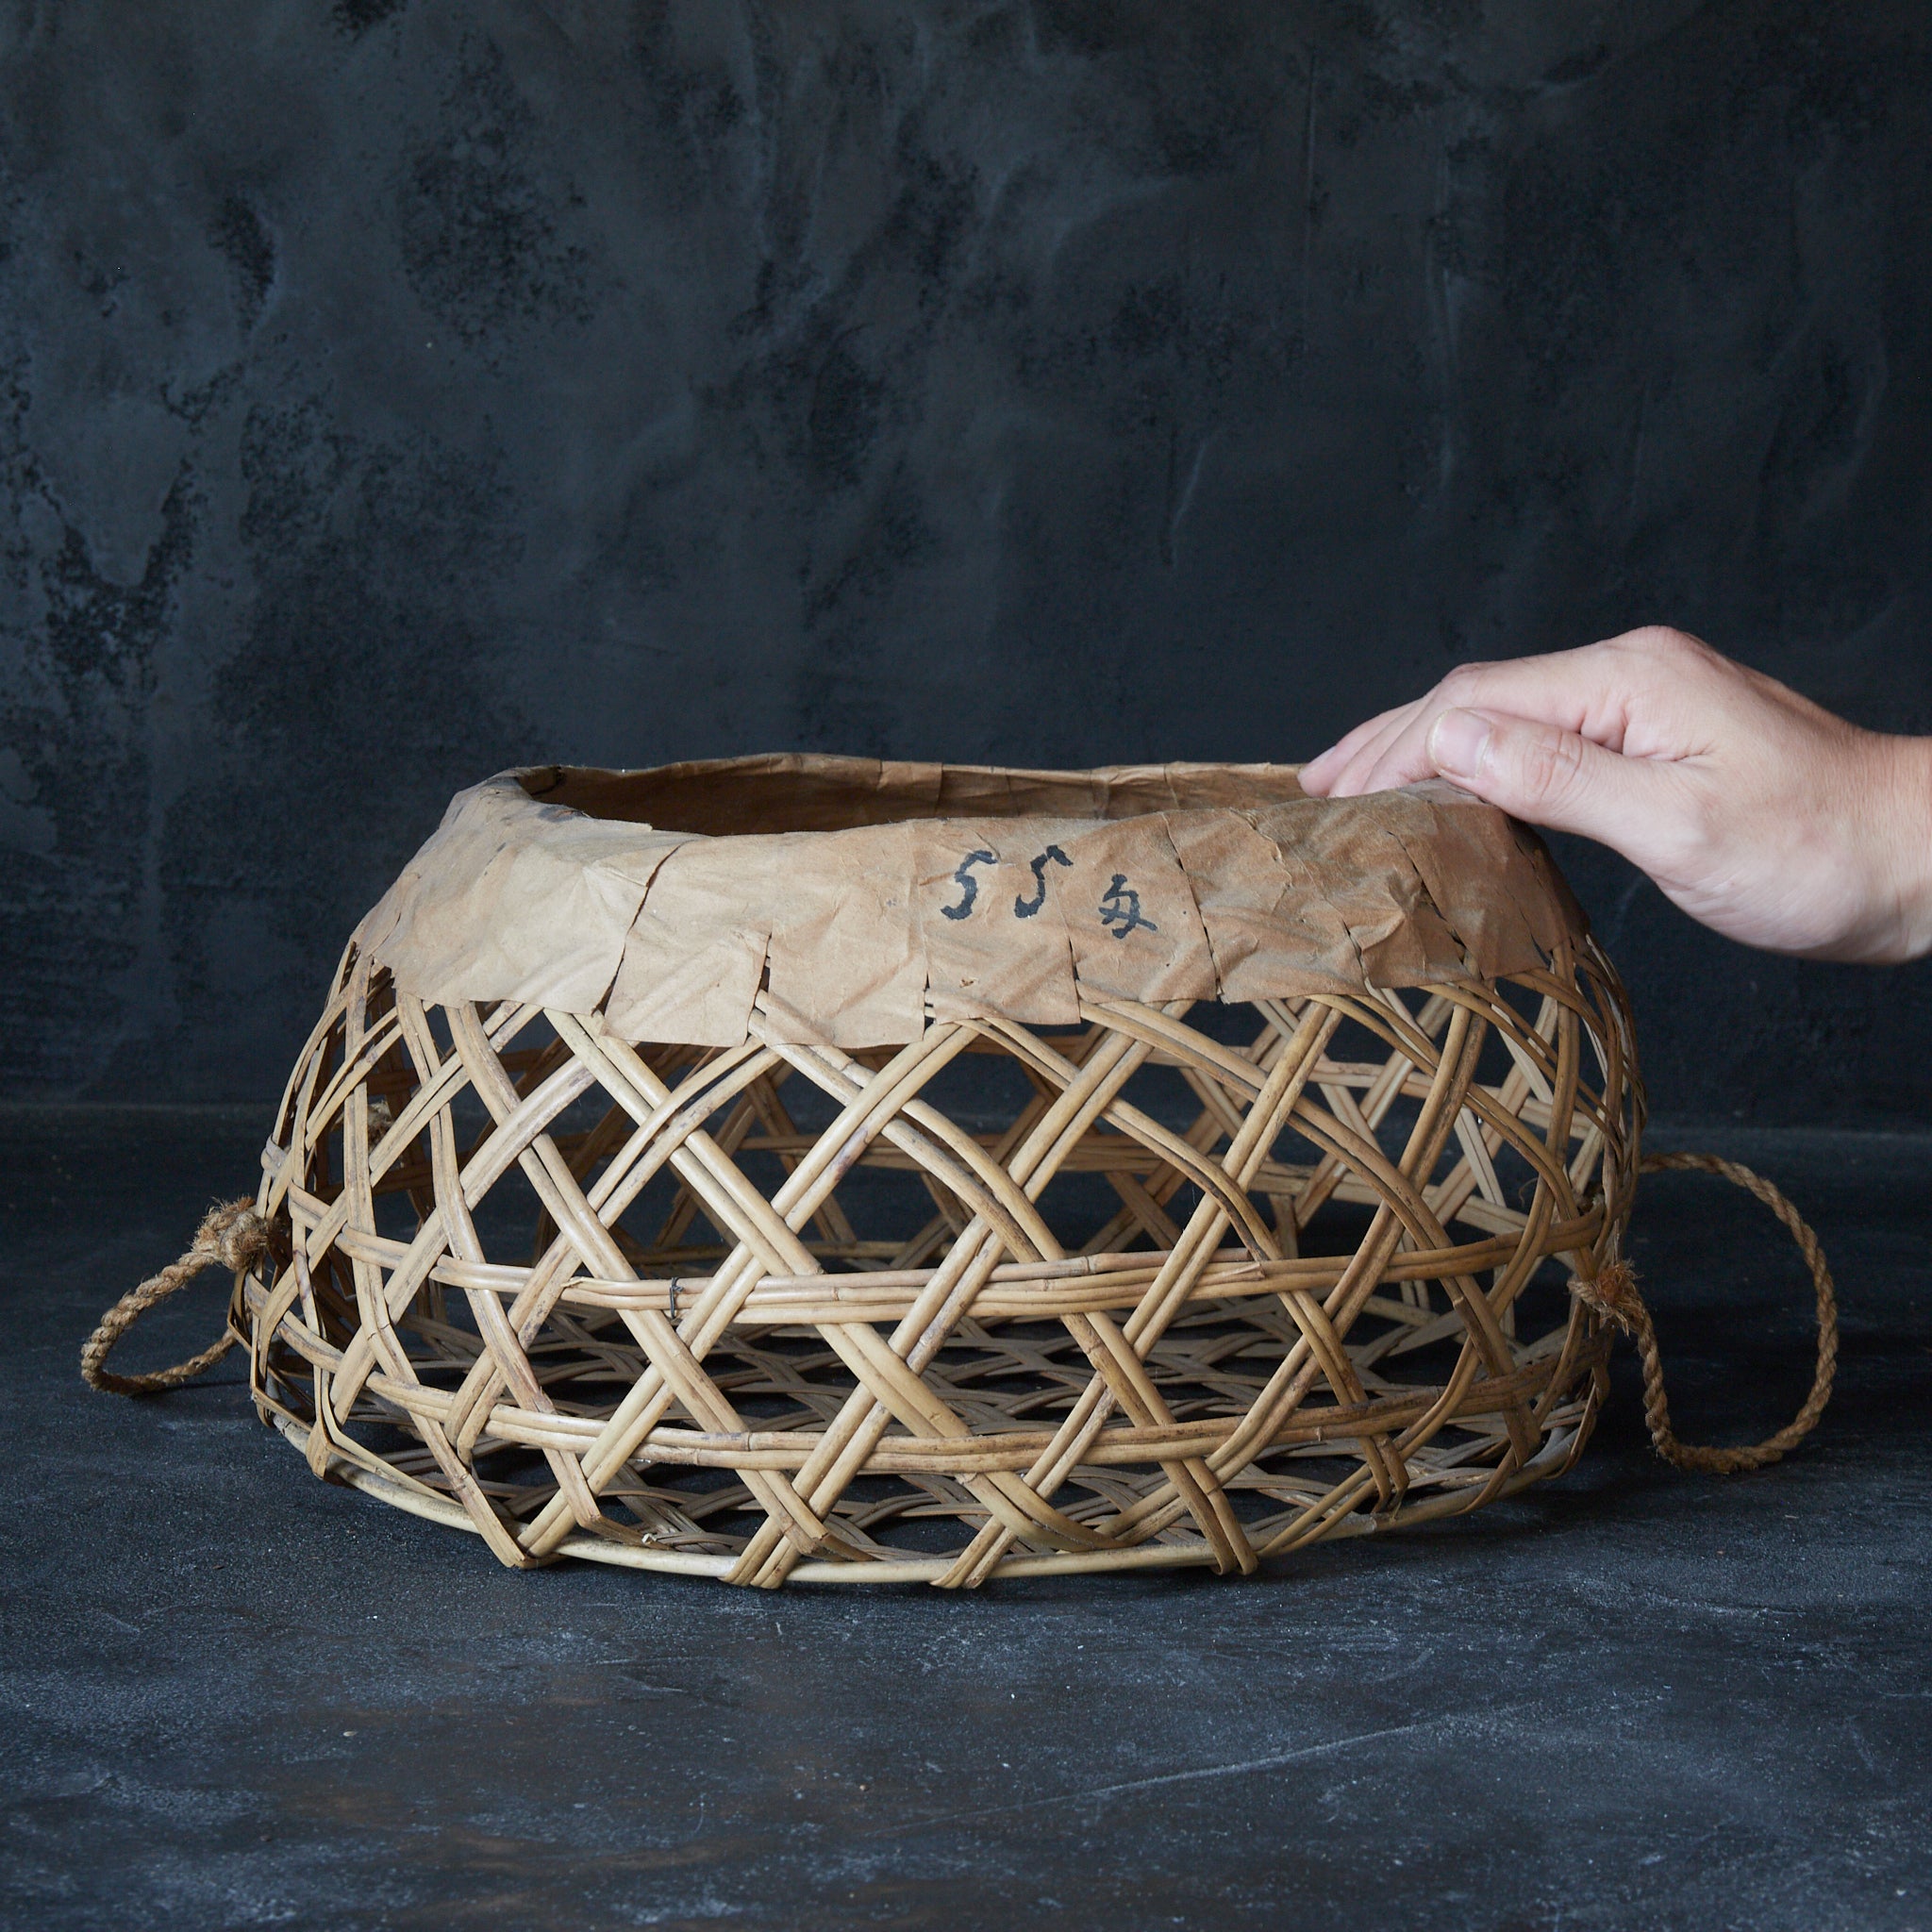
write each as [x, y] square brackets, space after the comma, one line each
[232, 1235]
[1614, 1294]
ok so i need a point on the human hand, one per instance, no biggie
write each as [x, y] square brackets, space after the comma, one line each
[1757, 812]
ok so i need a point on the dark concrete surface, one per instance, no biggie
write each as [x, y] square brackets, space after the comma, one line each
[237, 1697]
[393, 389]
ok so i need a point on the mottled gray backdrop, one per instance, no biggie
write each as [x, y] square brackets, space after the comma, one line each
[393, 389]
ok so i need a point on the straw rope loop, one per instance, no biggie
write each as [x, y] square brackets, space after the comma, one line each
[233, 1236]
[1614, 1294]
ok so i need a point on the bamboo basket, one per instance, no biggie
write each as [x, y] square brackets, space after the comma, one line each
[808, 1170]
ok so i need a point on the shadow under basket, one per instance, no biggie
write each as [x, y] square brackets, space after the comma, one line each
[809, 1170]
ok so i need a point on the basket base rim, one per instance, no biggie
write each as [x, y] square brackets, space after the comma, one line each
[1557, 1456]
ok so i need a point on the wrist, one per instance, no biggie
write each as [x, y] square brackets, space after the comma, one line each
[1904, 819]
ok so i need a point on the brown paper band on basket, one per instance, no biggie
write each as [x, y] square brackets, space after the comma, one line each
[1363, 874]
[831, 925]
[847, 958]
[696, 988]
[1268, 934]
[514, 899]
[1132, 918]
[869, 895]
[973, 883]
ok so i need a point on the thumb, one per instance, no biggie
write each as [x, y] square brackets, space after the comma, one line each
[1544, 775]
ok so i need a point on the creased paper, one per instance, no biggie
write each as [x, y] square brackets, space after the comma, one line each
[862, 896]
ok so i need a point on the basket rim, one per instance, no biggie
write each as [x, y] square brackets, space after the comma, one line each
[534, 890]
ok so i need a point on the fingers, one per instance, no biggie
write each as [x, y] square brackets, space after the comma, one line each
[1595, 691]
[1319, 775]
[1563, 688]
[1343, 769]
[1557, 692]
[1644, 692]
[1557, 778]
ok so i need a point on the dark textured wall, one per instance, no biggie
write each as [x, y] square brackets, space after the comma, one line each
[391, 389]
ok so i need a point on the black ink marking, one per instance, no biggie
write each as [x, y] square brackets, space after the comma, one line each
[969, 885]
[1119, 912]
[1026, 909]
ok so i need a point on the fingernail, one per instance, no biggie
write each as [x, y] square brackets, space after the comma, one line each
[1458, 741]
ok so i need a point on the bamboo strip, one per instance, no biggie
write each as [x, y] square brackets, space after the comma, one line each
[1198, 1387]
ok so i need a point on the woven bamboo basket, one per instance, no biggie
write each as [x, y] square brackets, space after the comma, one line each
[810, 1170]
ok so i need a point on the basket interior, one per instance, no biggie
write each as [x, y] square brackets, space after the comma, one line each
[753, 795]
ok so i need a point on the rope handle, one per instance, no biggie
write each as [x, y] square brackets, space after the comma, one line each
[233, 1235]
[1614, 1294]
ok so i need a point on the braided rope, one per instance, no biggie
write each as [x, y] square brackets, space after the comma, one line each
[232, 1235]
[1615, 1296]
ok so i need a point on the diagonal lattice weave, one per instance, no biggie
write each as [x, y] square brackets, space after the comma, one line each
[1172, 1287]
